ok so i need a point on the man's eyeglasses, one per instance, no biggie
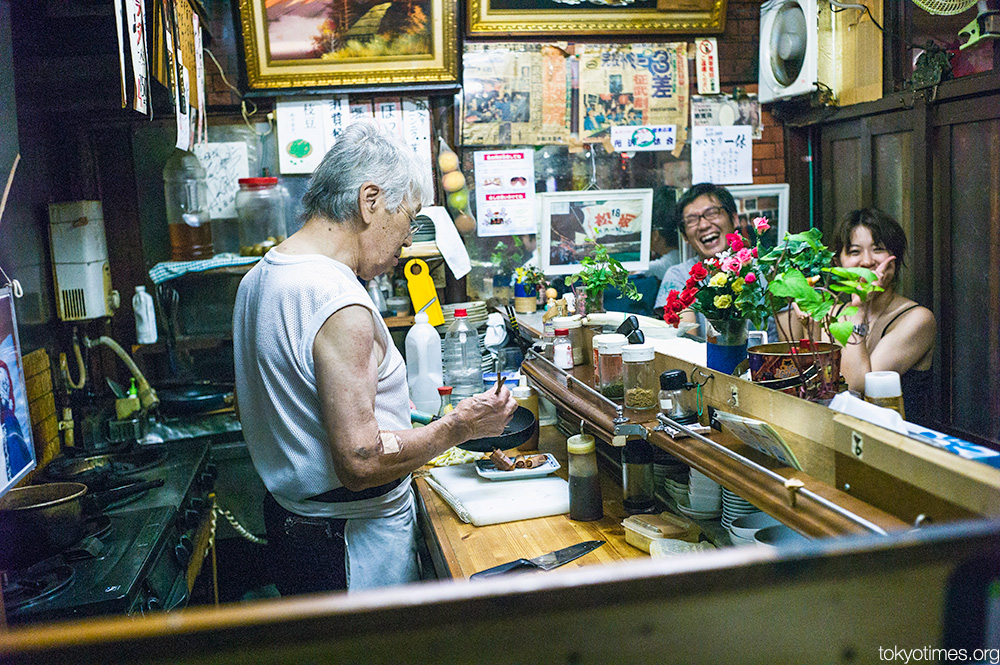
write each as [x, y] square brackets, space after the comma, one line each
[414, 224]
[710, 214]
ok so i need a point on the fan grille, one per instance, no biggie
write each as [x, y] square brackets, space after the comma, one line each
[944, 7]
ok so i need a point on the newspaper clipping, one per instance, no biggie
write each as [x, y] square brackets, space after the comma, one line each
[515, 94]
[633, 84]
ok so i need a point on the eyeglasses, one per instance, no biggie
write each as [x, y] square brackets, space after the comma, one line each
[710, 214]
[414, 225]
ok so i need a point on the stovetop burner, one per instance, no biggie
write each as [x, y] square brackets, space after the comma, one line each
[35, 586]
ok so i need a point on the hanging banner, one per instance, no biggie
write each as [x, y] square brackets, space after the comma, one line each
[505, 192]
[633, 84]
[136, 13]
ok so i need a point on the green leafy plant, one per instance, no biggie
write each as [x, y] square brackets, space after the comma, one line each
[531, 276]
[600, 272]
[800, 271]
[507, 258]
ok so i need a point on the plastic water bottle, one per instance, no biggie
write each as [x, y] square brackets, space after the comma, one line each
[463, 364]
[423, 364]
[145, 316]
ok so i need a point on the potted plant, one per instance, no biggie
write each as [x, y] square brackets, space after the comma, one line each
[528, 283]
[598, 273]
[800, 279]
[506, 258]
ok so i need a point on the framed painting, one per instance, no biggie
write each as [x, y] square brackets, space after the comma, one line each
[292, 44]
[530, 18]
[619, 219]
[769, 201]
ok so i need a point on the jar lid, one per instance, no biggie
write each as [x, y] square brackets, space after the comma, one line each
[258, 182]
[638, 352]
[673, 379]
[612, 344]
[566, 322]
[580, 444]
[561, 331]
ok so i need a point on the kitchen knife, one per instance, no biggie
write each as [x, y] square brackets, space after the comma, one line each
[543, 562]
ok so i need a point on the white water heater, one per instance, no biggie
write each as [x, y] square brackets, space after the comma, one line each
[80, 261]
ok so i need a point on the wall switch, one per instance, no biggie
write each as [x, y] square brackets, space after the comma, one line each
[734, 396]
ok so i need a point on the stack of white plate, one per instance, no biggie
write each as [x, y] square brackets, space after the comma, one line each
[733, 507]
[671, 474]
[475, 312]
[678, 491]
[742, 529]
[704, 499]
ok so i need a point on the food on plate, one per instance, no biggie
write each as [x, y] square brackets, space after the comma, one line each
[501, 461]
[504, 463]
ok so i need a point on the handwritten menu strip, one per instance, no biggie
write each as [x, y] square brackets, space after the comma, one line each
[722, 155]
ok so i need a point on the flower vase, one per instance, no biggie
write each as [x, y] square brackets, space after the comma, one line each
[590, 304]
[525, 298]
[726, 344]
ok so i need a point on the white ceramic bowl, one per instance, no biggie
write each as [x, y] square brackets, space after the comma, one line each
[747, 525]
[704, 503]
[777, 536]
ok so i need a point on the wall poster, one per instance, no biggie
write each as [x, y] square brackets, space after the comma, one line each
[515, 94]
[505, 192]
[633, 84]
[15, 423]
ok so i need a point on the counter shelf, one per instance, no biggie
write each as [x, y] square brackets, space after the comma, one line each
[820, 511]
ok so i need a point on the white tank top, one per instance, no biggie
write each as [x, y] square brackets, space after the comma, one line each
[280, 306]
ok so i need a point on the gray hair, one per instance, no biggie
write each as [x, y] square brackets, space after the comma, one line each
[364, 152]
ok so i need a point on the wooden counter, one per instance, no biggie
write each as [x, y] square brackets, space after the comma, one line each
[458, 550]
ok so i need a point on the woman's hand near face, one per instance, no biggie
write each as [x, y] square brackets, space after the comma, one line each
[880, 272]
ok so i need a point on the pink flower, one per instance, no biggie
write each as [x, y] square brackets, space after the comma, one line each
[731, 264]
[735, 241]
[744, 256]
[750, 278]
[760, 224]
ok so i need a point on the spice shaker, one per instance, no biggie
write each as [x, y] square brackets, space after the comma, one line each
[676, 397]
[609, 363]
[562, 349]
[585, 501]
[574, 328]
[639, 375]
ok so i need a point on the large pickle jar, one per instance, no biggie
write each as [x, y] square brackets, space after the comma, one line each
[260, 205]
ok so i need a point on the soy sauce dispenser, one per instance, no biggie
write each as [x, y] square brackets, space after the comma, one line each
[677, 397]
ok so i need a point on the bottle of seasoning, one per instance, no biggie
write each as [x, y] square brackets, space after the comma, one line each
[525, 396]
[641, 387]
[585, 502]
[575, 329]
[562, 349]
[637, 477]
[610, 368]
[676, 397]
[445, 393]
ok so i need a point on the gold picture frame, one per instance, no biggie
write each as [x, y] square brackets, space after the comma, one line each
[529, 18]
[287, 48]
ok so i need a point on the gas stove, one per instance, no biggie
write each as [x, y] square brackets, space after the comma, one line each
[137, 557]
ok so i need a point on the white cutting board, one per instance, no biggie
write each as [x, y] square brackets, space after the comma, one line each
[498, 501]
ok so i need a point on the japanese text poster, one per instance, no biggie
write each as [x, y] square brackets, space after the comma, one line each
[721, 155]
[505, 192]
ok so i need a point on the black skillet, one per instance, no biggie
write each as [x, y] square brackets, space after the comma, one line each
[520, 428]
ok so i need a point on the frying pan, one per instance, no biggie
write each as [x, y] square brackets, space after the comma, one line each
[193, 399]
[520, 428]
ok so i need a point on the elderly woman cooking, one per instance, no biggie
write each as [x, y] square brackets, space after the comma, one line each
[322, 389]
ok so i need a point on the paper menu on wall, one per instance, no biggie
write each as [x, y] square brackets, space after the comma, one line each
[722, 155]
[759, 436]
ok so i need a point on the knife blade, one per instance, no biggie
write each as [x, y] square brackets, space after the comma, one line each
[543, 562]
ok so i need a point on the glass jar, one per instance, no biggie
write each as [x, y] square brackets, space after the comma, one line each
[185, 191]
[562, 349]
[260, 205]
[575, 328]
[677, 398]
[610, 368]
[585, 501]
[640, 378]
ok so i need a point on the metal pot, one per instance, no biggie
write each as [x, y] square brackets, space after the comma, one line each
[521, 427]
[38, 521]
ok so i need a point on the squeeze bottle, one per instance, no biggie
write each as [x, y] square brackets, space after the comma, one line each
[525, 396]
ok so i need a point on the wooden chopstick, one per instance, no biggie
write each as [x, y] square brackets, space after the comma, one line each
[500, 383]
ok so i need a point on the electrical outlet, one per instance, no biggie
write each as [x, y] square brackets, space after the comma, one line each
[734, 396]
